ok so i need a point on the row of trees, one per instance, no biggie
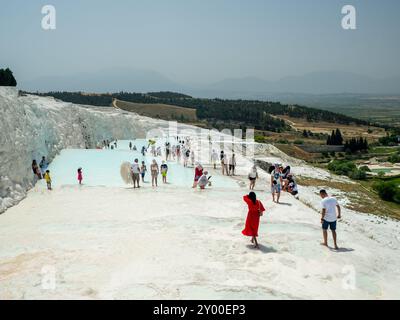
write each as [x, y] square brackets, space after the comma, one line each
[7, 78]
[335, 139]
[353, 145]
[390, 140]
[356, 144]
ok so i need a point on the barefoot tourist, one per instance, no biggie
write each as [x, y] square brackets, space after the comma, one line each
[154, 169]
[204, 180]
[135, 169]
[80, 176]
[43, 165]
[256, 210]
[232, 165]
[36, 170]
[164, 171]
[198, 172]
[329, 217]
[253, 176]
[48, 179]
[143, 170]
[224, 163]
[276, 183]
[214, 159]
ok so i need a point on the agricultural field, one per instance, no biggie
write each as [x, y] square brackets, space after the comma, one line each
[158, 110]
[348, 131]
[380, 109]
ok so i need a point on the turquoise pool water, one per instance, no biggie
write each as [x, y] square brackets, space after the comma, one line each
[381, 170]
[102, 167]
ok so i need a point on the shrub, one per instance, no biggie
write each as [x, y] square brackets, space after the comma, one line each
[259, 138]
[342, 167]
[358, 174]
[388, 191]
[298, 142]
[282, 141]
[365, 168]
[381, 174]
[394, 158]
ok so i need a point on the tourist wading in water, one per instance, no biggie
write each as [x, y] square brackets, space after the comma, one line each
[204, 180]
[198, 172]
[256, 210]
[214, 159]
[329, 217]
[80, 175]
[143, 170]
[135, 169]
[232, 165]
[164, 171]
[154, 169]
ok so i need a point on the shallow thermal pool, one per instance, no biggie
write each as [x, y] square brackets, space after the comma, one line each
[102, 167]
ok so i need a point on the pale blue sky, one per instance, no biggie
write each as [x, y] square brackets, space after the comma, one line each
[201, 41]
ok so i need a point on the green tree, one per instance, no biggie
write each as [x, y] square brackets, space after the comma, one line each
[7, 78]
[338, 137]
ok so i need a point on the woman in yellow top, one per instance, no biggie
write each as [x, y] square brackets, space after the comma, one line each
[48, 179]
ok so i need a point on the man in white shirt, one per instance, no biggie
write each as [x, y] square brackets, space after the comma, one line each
[135, 171]
[329, 217]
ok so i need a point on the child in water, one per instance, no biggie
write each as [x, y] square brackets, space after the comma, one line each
[80, 176]
[48, 179]
[164, 170]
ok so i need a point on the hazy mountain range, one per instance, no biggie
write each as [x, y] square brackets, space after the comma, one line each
[140, 80]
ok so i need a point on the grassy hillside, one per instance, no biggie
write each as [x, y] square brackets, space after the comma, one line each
[218, 113]
[372, 133]
[158, 110]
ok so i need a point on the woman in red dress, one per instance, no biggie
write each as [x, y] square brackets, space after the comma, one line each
[256, 210]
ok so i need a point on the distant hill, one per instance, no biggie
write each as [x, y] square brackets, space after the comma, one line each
[311, 83]
[142, 80]
[108, 80]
